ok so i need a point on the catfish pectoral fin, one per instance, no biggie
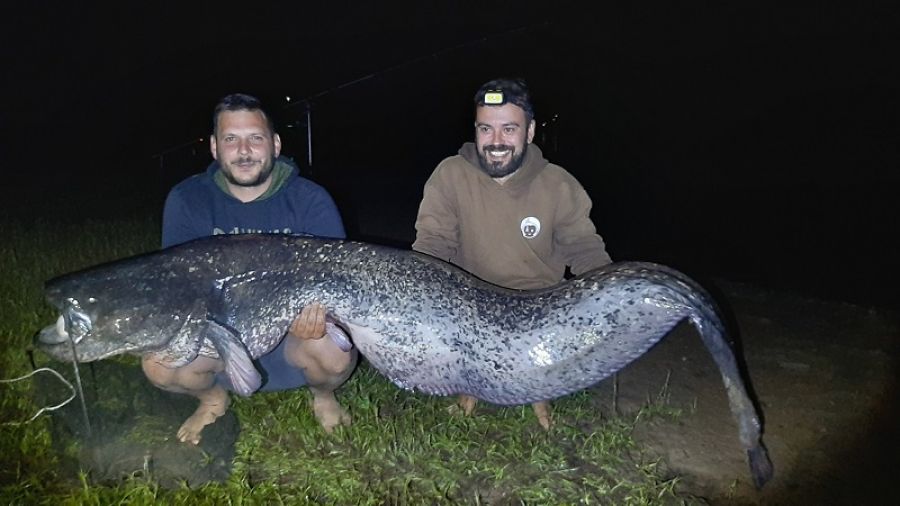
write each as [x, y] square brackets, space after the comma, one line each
[238, 365]
[337, 334]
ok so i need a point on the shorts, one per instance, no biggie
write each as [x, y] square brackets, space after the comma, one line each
[277, 374]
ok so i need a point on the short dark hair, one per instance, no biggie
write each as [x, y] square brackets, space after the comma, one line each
[240, 102]
[514, 90]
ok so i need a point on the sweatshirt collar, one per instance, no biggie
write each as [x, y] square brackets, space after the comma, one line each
[281, 174]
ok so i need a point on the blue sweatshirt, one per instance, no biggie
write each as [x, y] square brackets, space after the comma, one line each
[197, 207]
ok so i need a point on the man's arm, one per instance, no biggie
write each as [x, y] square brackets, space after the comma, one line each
[177, 221]
[575, 235]
[323, 220]
[437, 224]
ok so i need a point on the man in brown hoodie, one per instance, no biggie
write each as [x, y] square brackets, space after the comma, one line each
[502, 212]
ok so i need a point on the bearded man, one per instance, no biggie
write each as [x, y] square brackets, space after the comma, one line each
[249, 188]
[502, 212]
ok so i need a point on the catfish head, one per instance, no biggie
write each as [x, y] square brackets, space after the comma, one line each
[124, 307]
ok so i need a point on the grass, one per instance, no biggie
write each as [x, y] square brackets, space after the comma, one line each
[403, 448]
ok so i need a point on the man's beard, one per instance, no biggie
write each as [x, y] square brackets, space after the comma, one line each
[497, 169]
[260, 178]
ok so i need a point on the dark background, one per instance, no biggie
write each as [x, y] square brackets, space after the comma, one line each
[756, 144]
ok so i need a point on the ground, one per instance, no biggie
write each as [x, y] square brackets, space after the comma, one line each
[825, 376]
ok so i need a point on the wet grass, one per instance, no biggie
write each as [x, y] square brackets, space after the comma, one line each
[403, 448]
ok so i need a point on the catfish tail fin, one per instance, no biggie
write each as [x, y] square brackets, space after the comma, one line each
[708, 323]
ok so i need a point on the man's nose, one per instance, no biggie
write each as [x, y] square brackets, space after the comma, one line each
[497, 137]
[244, 146]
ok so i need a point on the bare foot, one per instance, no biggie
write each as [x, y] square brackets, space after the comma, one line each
[328, 412]
[542, 412]
[206, 413]
[465, 405]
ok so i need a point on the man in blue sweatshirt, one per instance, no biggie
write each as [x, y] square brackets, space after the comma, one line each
[249, 188]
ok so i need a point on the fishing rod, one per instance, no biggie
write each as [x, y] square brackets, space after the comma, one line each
[307, 101]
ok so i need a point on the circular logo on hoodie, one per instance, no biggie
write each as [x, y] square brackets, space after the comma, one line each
[530, 227]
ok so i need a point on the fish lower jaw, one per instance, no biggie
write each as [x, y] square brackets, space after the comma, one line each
[63, 352]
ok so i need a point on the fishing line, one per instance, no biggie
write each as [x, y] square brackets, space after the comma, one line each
[87, 421]
[45, 408]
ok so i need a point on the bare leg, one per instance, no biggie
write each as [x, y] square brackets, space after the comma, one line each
[326, 368]
[465, 405]
[542, 412]
[198, 380]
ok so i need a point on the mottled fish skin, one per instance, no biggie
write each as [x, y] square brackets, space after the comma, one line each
[421, 322]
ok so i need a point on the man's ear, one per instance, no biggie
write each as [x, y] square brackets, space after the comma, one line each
[276, 139]
[531, 127]
[212, 146]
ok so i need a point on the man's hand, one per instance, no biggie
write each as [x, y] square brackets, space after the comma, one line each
[310, 324]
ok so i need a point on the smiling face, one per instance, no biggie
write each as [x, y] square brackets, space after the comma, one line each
[246, 149]
[502, 134]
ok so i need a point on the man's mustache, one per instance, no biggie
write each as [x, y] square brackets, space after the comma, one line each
[497, 147]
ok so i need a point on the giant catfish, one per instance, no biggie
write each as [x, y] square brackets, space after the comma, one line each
[421, 322]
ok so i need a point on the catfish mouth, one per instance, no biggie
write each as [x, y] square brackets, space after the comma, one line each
[72, 330]
[55, 337]
[74, 323]
[55, 340]
[53, 343]
[53, 334]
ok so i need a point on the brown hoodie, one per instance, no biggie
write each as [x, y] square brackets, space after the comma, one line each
[519, 234]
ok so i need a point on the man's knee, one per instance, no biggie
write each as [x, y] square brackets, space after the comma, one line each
[194, 376]
[319, 355]
[157, 373]
[337, 362]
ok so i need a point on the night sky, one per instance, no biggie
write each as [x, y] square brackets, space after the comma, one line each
[756, 144]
